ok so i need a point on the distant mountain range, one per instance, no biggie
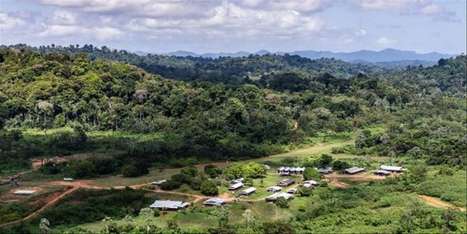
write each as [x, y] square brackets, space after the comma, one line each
[384, 56]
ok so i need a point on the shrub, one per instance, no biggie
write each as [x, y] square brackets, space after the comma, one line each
[209, 188]
[339, 165]
[277, 228]
[170, 185]
[305, 192]
[212, 171]
[281, 202]
[130, 171]
[81, 169]
[311, 174]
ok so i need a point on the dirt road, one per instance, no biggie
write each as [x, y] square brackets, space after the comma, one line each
[438, 203]
[50, 203]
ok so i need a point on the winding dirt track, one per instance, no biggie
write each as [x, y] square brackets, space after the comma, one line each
[438, 203]
[52, 202]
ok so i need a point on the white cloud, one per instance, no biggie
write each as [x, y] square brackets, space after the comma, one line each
[361, 32]
[384, 41]
[232, 20]
[99, 33]
[417, 7]
[8, 21]
[63, 17]
[304, 6]
[142, 8]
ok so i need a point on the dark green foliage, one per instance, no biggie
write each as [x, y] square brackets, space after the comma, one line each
[90, 206]
[171, 185]
[278, 228]
[339, 165]
[209, 188]
[325, 160]
[130, 171]
[305, 192]
[212, 170]
[246, 170]
[281, 202]
[311, 173]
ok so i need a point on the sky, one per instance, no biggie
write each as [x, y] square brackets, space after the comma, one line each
[201, 26]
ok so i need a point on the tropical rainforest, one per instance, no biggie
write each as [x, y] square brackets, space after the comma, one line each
[155, 109]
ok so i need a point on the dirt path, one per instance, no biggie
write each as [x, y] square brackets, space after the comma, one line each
[52, 202]
[438, 203]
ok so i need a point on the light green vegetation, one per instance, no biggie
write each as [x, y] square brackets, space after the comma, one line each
[154, 174]
[449, 188]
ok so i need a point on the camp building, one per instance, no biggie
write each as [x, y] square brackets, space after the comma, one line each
[275, 196]
[354, 170]
[391, 168]
[169, 205]
[248, 191]
[286, 182]
[215, 201]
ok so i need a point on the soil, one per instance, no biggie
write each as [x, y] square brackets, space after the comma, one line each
[438, 203]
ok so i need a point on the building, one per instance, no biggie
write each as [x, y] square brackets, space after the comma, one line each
[169, 205]
[326, 170]
[274, 189]
[290, 170]
[248, 191]
[286, 182]
[236, 186]
[239, 180]
[354, 170]
[159, 182]
[310, 182]
[24, 192]
[292, 191]
[382, 172]
[215, 201]
[275, 196]
[391, 168]
[67, 179]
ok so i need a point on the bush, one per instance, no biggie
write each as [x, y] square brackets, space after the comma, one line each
[81, 169]
[209, 188]
[277, 228]
[305, 192]
[170, 185]
[445, 171]
[130, 171]
[339, 165]
[281, 202]
[311, 174]
[212, 171]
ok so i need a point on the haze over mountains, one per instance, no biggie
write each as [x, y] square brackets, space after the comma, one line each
[362, 56]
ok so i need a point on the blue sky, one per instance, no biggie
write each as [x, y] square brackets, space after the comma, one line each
[238, 25]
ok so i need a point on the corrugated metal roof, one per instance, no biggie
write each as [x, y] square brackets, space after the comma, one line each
[353, 170]
[168, 204]
[249, 190]
[214, 201]
[390, 168]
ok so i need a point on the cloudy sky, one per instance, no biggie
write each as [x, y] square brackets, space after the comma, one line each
[238, 25]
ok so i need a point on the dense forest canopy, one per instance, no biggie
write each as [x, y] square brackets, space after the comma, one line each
[249, 103]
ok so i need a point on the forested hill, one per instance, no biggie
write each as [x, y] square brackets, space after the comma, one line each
[53, 90]
[226, 70]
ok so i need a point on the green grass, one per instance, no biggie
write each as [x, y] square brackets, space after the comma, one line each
[154, 174]
[452, 189]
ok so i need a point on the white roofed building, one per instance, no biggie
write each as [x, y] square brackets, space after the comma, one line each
[236, 186]
[215, 201]
[275, 196]
[391, 168]
[248, 191]
[169, 205]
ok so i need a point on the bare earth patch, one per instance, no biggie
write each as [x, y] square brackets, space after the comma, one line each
[438, 203]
